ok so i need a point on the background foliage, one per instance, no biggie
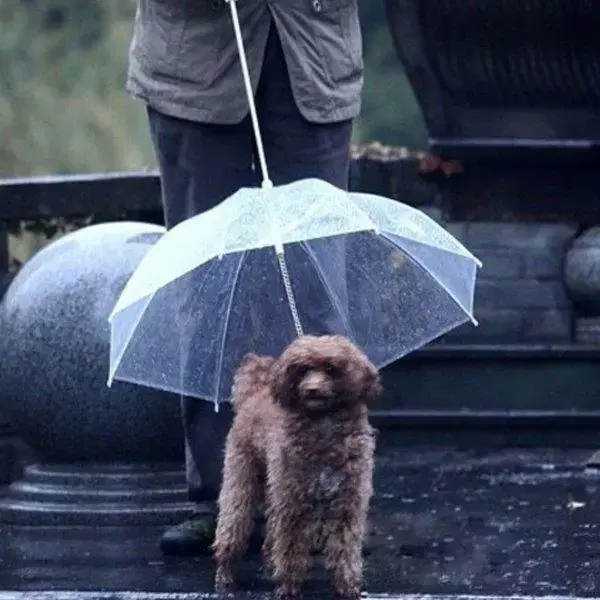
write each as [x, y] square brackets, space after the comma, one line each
[63, 108]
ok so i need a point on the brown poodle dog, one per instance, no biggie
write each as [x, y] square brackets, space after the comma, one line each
[301, 441]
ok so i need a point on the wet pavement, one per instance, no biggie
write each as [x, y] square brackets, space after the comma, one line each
[446, 522]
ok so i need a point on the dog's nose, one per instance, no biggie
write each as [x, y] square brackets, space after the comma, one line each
[311, 392]
[312, 383]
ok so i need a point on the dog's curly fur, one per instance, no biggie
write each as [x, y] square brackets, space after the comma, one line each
[301, 441]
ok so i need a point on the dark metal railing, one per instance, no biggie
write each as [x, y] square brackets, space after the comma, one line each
[106, 194]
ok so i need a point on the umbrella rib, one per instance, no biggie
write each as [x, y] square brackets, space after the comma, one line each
[421, 266]
[333, 296]
[364, 213]
[224, 237]
[225, 326]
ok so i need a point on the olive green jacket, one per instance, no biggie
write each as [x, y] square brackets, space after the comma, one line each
[184, 61]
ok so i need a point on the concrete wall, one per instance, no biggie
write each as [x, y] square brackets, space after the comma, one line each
[520, 296]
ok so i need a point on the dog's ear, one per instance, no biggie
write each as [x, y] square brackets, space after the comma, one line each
[280, 384]
[248, 359]
[369, 382]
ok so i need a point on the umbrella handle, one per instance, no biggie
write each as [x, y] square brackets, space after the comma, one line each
[266, 183]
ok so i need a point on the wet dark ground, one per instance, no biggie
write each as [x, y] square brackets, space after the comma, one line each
[478, 522]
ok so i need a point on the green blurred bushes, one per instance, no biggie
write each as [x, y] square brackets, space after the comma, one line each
[63, 108]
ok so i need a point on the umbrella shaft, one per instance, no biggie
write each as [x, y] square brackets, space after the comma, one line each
[266, 183]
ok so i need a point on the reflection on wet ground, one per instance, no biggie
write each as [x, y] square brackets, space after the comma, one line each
[495, 522]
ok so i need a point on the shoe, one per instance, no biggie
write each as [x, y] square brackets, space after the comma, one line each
[191, 537]
[194, 536]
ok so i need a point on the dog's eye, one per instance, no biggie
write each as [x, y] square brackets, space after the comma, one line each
[329, 370]
[302, 371]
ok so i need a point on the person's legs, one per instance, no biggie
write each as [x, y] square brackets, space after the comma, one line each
[299, 149]
[200, 165]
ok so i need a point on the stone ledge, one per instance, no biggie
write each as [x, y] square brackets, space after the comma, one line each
[540, 420]
[520, 263]
[494, 325]
[557, 352]
[520, 294]
[516, 235]
[519, 235]
[510, 325]
[125, 595]
[536, 377]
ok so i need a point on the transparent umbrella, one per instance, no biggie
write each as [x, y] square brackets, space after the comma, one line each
[271, 263]
[266, 266]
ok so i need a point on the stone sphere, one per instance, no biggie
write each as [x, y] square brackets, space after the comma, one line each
[582, 272]
[54, 354]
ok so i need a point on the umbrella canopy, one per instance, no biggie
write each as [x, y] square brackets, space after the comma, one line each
[269, 264]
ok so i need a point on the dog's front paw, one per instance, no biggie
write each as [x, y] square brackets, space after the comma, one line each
[287, 592]
[223, 580]
[355, 595]
[347, 592]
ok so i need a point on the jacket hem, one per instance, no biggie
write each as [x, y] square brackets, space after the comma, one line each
[179, 110]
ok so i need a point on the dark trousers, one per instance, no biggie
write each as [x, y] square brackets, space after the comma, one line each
[201, 165]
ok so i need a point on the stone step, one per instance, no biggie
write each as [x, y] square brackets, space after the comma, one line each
[45, 493]
[97, 495]
[108, 476]
[127, 595]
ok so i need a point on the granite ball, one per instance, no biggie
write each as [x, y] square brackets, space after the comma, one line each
[54, 354]
[582, 272]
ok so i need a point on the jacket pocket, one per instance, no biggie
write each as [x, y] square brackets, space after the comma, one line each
[338, 34]
[207, 31]
[161, 27]
[182, 39]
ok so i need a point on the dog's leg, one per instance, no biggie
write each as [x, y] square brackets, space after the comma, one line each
[343, 558]
[240, 492]
[289, 554]
[343, 547]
